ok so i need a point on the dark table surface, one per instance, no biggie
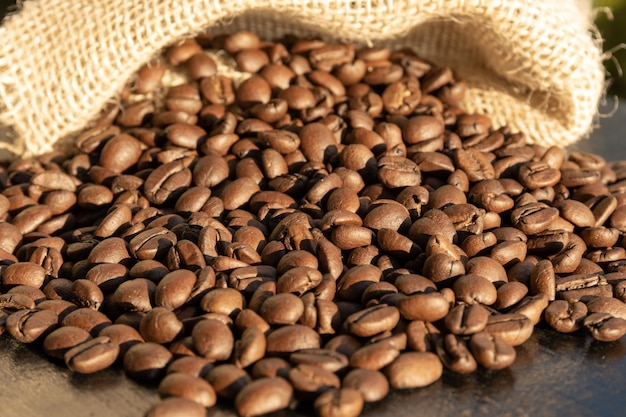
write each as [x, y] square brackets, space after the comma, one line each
[554, 374]
[570, 375]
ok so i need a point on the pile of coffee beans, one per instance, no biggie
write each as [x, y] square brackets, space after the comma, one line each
[326, 228]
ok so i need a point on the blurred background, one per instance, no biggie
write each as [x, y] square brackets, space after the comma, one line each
[612, 25]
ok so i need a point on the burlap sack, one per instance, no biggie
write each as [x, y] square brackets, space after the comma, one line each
[535, 65]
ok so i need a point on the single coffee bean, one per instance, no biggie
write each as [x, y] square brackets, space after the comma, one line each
[263, 395]
[250, 347]
[191, 365]
[427, 306]
[227, 380]
[181, 385]
[491, 351]
[512, 328]
[372, 385]
[475, 289]
[24, 273]
[123, 335]
[455, 355]
[466, 319]
[146, 361]
[372, 320]
[610, 305]
[160, 325]
[565, 317]
[283, 308]
[344, 402]
[270, 368]
[310, 380]
[212, 339]
[414, 370]
[92, 355]
[63, 339]
[604, 327]
[30, 324]
[291, 338]
[374, 356]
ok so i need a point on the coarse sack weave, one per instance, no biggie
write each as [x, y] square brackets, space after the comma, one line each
[534, 65]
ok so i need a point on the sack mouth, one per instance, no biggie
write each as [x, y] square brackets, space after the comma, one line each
[560, 85]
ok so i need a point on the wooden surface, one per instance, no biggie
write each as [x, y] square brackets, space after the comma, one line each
[569, 375]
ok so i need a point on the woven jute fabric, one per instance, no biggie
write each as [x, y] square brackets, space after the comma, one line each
[534, 65]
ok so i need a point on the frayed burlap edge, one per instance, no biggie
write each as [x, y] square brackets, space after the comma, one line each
[536, 66]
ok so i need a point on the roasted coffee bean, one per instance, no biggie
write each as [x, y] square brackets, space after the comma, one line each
[85, 293]
[310, 380]
[344, 402]
[466, 319]
[512, 328]
[263, 395]
[372, 320]
[475, 289]
[191, 365]
[491, 351]
[413, 370]
[212, 339]
[455, 355]
[29, 325]
[427, 306]
[123, 335]
[228, 380]
[605, 327]
[10, 301]
[374, 356]
[146, 361]
[610, 305]
[565, 317]
[135, 295]
[160, 325]
[24, 273]
[92, 355]
[291, 338]
[63, 339]
[182, 385]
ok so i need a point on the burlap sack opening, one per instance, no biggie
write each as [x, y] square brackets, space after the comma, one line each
[536, 66]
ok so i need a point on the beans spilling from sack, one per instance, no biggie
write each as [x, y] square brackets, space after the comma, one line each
[326, 227]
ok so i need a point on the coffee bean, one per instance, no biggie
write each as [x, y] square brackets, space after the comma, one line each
[160, 325]
[146, 361]
[181, 385]
[605, 327]
[63, 339]
[512, 328]
[227, 380]
[413, 370]
[565, 317]
[466, 319]
[491, 351]
[23, 273]
[212, 339]
[288, 339]
[92, 355]
[344, 402]
[263, 395]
